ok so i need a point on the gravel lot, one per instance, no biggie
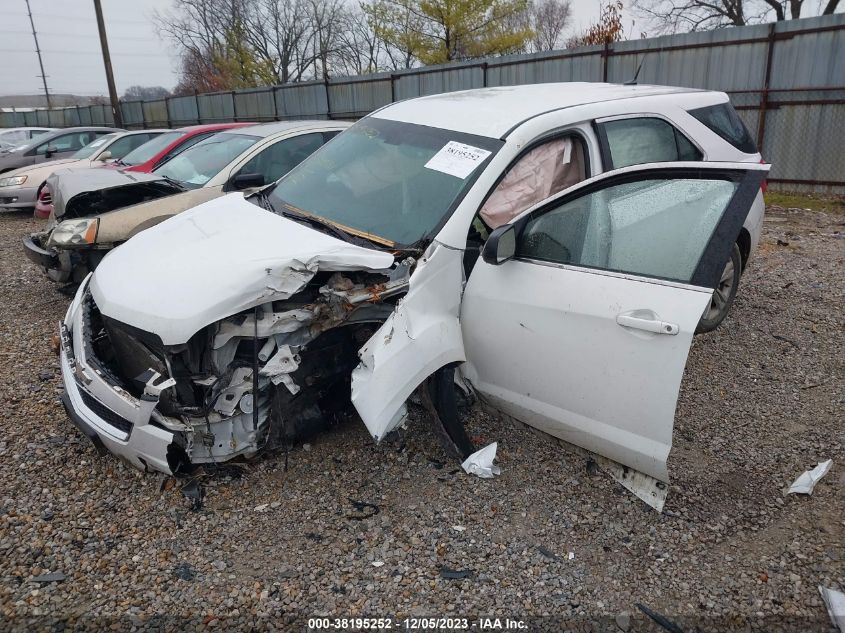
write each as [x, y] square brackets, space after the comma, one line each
[762, 400]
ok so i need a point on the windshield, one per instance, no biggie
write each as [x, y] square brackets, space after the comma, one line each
[149, 149]
[94, 146]
[198, 164]
[393, 182]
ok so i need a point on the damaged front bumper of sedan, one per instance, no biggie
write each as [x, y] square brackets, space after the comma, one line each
[62, 265]
[256, 380]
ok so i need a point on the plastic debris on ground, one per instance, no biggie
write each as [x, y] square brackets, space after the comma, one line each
[809, 478]
[455, 574]
[480, 463]
[835, 603]
[56, 576]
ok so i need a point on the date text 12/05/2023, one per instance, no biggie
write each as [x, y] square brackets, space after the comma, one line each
[416, 624]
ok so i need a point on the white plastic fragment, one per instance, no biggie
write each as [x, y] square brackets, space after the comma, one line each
[261, 507]
[835, 603]
[481, 462]
[571, 555]
[378, 563]
[809, 478]
[458, 528]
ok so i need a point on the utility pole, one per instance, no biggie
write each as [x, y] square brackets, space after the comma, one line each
[104, 44]
[38, 50]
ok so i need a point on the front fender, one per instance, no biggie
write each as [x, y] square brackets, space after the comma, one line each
[422, 335]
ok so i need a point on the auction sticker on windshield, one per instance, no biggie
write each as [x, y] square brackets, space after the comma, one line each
[457, 159]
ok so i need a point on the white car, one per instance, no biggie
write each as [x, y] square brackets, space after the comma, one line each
[25, 183]
[605, 217]
[15, 136]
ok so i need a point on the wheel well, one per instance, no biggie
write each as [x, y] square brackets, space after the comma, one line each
[744, 243]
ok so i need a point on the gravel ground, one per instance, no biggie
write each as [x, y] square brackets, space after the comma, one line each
[762, 400]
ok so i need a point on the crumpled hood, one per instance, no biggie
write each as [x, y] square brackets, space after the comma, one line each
[66, 184]
[213, 261]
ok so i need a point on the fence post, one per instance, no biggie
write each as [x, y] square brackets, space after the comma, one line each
[328, 99]
[605, 55]
[167, 110]
[197, 106]
[392, 88]
[764, 98]
[484, 71]
[234, 107]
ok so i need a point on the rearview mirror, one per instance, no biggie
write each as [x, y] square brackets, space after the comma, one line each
[104, 156]
[500, 246]
[247, 181]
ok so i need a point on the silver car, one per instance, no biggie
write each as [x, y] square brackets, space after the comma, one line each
[50, 146]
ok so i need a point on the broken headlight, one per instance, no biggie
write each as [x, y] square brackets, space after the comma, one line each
[72, 233]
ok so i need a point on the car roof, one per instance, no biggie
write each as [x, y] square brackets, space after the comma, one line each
[493, 112]
[263, 130]
[211, 127]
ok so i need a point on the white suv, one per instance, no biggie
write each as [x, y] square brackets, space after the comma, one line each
[555, 245]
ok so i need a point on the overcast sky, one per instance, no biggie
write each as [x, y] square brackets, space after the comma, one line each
[67, 34]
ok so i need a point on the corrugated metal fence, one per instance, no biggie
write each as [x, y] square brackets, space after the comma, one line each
[786, 79]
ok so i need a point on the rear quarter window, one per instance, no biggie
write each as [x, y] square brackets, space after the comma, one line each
[724, 121]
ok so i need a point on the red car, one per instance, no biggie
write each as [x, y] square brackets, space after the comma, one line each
[148, 156]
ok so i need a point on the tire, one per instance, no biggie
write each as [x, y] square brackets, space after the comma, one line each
[723, 296]
[444, 397]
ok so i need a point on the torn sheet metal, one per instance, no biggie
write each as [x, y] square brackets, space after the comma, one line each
[422, 335]
[807, 480]
[835, 603]
[480, 463]
[240, 256]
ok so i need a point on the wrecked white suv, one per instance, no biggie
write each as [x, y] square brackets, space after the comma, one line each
[552, 247]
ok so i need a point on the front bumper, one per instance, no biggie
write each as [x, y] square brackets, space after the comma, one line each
[58, 263]
[112, 418]
[18, 198]
[42, 257]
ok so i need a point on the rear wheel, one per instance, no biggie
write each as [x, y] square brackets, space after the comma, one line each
[723, 295]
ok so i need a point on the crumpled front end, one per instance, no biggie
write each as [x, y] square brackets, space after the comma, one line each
[256, 380]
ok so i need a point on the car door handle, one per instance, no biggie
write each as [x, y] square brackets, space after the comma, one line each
[649, 325]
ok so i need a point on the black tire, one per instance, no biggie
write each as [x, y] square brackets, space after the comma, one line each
[723, 296]
[444, 397]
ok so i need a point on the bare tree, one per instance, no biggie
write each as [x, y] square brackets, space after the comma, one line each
[673, 16]
[549, 20]
[279, 31]
[136, 93]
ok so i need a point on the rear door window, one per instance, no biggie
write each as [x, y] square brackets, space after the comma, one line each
[122, 146]
[278, 159]
[724, 121]
[68, 142]
[639, 140]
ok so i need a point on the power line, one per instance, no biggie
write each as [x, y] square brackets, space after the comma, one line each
[54, 52]
[77, 17]
[75, 35]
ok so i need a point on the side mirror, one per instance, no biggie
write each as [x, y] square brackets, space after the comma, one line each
[247, 181]
[51, 149]
[104, 156]
[500, 246]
